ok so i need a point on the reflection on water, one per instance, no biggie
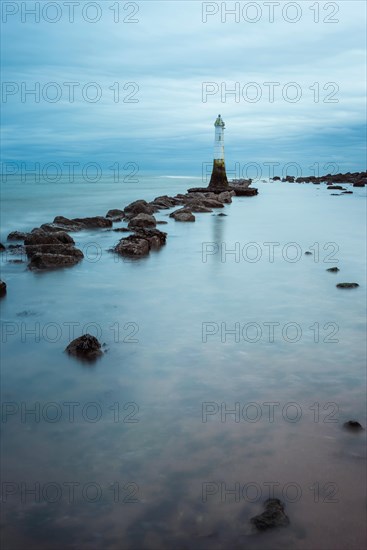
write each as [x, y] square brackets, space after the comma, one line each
[192, 418]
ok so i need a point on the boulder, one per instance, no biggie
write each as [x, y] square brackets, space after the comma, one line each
[353, 426]
[333, 269]
[2, 288]
[155, 237]
[86, 347]
[115, 214]
[225, 197]
[77, 224]
[132, 246]
[347, 285]
[142, 220]
[165, 202]
[138, 207]
[183, 215]
[273, 516]
[17, 236]
[197, 206]
[338, 187]
[52, 261]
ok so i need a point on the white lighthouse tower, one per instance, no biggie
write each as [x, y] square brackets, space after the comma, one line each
[218, 178]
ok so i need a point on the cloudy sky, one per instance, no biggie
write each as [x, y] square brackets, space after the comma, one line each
[144, 81]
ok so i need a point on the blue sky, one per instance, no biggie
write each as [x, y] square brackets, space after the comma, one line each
[169, 54]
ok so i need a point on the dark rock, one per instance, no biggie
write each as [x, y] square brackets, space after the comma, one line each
[132, 246]
[122, 230]
[336, 187]
[94, 222]
[225, 197]
[2, 247]
[353, 426]
[333, 269]
[78, 224]
[17, 236]
[273, 516]
[197, 206]
[276, 178]
[41, 260]
[165, 202]
[115, 214]
[308, 253]
[221, 214]
[161, 222]
[347, 193]
[335, 194]
[347, 285]
[359, 184]
[2, 288]
[289, 179]
[183, 215]
[142, 220]
[138, 207]
[85, 347]
[249, 192]
[155, 237]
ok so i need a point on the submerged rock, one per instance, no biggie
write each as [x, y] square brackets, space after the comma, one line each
[273, 516]
[85, 347]
[2, 288]
[353, 426]
[333, 269]
[347, 285]
[308, 253]
[338, 187]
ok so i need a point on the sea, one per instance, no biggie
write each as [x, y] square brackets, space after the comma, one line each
[231, 362]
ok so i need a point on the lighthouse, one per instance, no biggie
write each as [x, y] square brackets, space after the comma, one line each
[218, 178]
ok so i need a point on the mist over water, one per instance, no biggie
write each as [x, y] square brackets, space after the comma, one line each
[232, 363]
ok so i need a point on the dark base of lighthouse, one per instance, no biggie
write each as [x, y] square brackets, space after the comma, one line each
[218, 179]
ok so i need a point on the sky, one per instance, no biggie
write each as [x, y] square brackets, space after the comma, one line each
[143, 82]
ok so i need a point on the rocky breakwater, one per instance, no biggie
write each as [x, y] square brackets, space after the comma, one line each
[239, 188]
[357, 179]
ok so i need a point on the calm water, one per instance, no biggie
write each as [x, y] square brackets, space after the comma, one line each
[149, 421]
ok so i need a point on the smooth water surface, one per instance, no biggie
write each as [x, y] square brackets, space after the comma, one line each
[211, 323]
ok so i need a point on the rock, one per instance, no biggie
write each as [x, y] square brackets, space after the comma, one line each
[138, 207]
[161, 222]
[359, 184]
[115, 214]
[2, 247]
[155, 237]
[165, 202]
[85, 347]
[347, 193]
[51, 250]
[276, 178]
[338, 187]
[2, 288]
[122, 230]
[142, 220]
[353, 426]
[52, 261]
[17, 236]
[249, 192]
[335, 194]
[221, 214]
[39, 236]
[183, 215]
[225, 197]
[273, 516]
[77, 224]
[93, 223]
[211, 203]
[333, 269]
[308, 253]
[197, 206]
[347, 285]
[132, 246]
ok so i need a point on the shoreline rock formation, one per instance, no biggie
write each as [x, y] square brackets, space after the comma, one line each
[357, 179]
